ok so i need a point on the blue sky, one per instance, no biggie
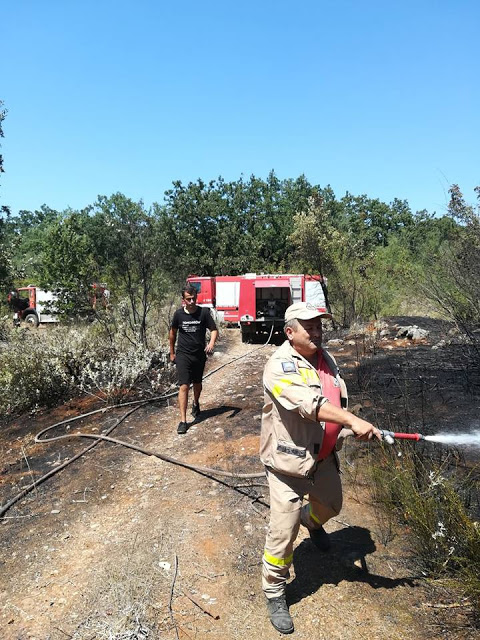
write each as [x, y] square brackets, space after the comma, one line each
[375, 97]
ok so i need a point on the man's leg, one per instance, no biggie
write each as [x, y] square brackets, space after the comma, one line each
[184, 377]
[183, 401]
[285, 507]
[197, 376]
[325, 501]
[197, 390]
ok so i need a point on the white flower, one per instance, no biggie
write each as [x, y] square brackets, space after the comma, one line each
[436, 480]
[440, 532]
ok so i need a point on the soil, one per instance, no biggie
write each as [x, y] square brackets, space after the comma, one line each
[123, 545]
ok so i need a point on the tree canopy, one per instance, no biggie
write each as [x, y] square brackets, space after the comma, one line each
[372, 253]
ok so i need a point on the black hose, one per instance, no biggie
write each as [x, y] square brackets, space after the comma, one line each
[99, 437]
[51, 473]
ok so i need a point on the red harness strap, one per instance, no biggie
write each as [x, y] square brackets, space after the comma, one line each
[331, 391]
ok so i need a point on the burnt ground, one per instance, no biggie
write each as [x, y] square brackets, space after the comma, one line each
[123, 545]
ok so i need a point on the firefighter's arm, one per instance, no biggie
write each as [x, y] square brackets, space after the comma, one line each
[211, 343]
[362, 429]
[172, 336]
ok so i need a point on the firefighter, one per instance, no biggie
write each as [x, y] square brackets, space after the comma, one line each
[304, 411]
[191, 323]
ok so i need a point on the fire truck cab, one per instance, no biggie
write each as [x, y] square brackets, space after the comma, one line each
[33, 305]
[36, 306]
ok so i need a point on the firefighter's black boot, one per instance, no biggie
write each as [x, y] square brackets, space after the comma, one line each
[279, 615]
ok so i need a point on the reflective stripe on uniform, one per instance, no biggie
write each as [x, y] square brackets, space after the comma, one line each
[313, 516]
[280, 386]
[278, 562]
[308, 375]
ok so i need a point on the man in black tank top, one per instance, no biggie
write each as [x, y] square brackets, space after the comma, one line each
[190, 324]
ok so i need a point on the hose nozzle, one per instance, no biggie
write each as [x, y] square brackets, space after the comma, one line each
[391, 436]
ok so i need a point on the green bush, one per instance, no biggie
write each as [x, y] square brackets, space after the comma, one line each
[40, 368]
[32, 373]
[435, 502]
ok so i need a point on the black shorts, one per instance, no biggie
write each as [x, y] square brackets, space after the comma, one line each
[190, 367]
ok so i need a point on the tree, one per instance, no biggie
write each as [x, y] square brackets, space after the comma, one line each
[231, 227]
[324, 244]
[68, 266]
[454, 285]
[189, 222]
[27, 233]
[318, 243]
[348, 241]
[372, 221]
[129, 249]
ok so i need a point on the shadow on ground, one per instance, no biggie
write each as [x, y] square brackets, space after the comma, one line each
[349, 545]
[216, 411]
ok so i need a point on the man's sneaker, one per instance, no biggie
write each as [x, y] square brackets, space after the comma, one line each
[182, 427]
[195, 409]
[279, 615]
[320, 539]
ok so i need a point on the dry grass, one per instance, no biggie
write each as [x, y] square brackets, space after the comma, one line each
[129, 600]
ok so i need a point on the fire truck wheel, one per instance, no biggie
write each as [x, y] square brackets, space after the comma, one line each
[31, 319]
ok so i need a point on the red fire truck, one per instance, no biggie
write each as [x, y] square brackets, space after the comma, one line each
[33, 305]
[254, 301]
[36, 306]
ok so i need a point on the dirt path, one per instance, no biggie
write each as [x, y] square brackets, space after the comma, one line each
[120, 545]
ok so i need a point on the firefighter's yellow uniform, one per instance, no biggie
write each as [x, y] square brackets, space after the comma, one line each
[291, 439]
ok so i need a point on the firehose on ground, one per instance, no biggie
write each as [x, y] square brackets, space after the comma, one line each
[387, 436]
